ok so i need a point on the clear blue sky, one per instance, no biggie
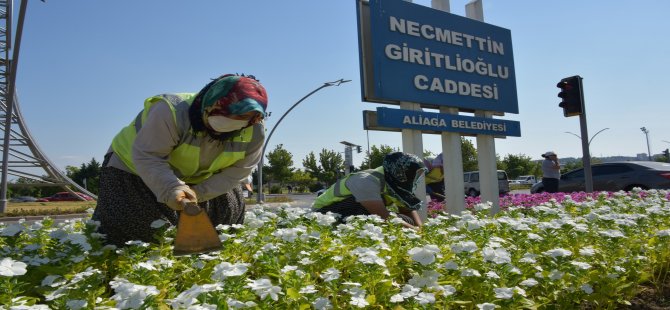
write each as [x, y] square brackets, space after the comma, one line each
[86, 67]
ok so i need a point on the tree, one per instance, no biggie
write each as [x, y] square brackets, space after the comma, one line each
[22, 187]
[332, 164]
[517, 165]
[327, 169]
[87, 175]
[280, 161]
[304, 181]
[376, 156]
[312, 166]
[469, 154]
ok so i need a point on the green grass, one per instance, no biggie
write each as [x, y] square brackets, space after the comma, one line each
[72, 207]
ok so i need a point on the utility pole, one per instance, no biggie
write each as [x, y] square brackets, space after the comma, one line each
[646, 133]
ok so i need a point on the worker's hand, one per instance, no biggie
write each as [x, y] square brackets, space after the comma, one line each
[179, 193]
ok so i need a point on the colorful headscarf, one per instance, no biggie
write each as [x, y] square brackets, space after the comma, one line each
[234, 95]
[402, 172]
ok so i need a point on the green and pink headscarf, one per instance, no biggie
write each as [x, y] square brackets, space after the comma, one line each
[233, 94]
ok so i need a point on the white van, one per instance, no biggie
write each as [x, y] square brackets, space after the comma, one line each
[471, 183]
[524, 180]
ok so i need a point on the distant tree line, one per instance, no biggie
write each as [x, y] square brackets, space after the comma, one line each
[319, 171]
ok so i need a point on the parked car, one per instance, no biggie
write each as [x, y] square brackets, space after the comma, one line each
[66, 196]
[471, 183]
[23, 199]
[524, 180]
[615, 176]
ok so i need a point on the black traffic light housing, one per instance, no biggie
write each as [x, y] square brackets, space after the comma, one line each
[572, 95]
[358, 148]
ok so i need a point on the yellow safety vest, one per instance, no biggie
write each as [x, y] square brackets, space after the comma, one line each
[339, 191]
[435, 175]
[185, 158]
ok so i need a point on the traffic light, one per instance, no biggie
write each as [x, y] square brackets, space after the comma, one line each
[572, 96]
[358, 148]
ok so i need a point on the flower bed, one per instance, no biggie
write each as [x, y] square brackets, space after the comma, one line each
[560, 252]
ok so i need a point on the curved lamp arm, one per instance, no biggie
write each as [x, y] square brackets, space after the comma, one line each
[260, 197]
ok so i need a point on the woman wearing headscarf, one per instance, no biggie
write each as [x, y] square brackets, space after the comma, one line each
[380, 191]
[197, 146]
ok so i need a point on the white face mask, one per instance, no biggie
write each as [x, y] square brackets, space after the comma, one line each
[221, 123]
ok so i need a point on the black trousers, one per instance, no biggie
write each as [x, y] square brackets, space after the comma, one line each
[550, 185]
[126, 208]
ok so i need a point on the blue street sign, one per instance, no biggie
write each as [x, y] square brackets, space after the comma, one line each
[428, 121]
[435, 58]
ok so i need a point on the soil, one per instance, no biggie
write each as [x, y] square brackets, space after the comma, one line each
[651, 298]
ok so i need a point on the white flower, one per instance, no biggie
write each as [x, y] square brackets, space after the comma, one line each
[397, 298]
[408, 291]
[528, 258]
[330, 274]
[588, 251]
[129, 295]
[530, 282]
[236, 304]
[358, 302]
[663, 233]
[464, 246]
[483, 206]
[287, 234]
[581, 265]
[159, 223]
[368, 256]
[76, 304]
[425, 298]
[226, 269]
[587, 288]
[145, 265]
[520, 291]
[424, 255]
[428, 278]
[11, 230]
[497, 255]
[450, 265]
[558, 252]
[188, 298]
[447, 290]
[492, 275]
[533, 236]
[486, 306]
[263, 288]
[49, 280]
[612, 233]
[503, 292]
[10, 268]
[309, 289]
[470, 273]
[306, 261]
[556, 275]
[288, 268]
[322, 303]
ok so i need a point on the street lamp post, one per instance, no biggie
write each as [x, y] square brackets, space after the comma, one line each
[261, 197]
[646, 133]
[589, 143]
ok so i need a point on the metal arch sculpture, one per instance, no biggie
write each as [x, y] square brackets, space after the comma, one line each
[21, 156]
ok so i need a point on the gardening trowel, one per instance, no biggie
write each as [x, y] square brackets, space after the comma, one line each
[195, 232]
